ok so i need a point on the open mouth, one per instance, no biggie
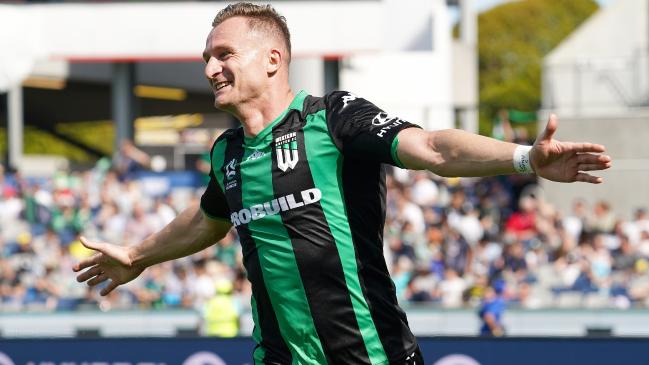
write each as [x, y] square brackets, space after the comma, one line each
[220, 85]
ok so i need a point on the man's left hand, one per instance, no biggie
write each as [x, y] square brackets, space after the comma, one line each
[566, 161]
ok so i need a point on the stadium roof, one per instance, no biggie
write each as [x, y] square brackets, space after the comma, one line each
[132, 32]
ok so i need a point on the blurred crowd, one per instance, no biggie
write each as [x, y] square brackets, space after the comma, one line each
[450, 240]
[447, 243]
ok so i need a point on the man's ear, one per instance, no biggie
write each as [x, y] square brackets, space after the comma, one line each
[274, 61]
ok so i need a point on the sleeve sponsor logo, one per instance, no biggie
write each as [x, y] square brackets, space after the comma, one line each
[230, 169]
[281, 204]
[230, 173]
[386, 122]
[348, 98]
[256, 155]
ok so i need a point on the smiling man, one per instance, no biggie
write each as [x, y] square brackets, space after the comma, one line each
[303, 182]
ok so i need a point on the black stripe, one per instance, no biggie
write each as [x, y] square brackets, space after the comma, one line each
[364, 189]
[317, 258]
[272, 341]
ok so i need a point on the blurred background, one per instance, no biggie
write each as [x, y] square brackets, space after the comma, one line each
[106, 122]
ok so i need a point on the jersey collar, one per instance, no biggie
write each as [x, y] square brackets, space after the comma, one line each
[296, 104]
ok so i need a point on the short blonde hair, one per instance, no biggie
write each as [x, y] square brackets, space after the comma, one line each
[260, 17]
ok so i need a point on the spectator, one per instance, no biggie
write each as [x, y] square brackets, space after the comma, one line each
[203, 285]
[574, 223]
[521, 225]
[424, 190]
[401, 250]
[451, 289]
[221, 314]
[492, 310]
[603, 220]
[515, 262]
[457, 252]
[625, 256]
[40, 222]
[130, 159]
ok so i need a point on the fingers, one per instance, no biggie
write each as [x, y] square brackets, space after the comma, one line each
[583, 147]
[590, 162]
[583, 177]
[592, 158]
[109, 288]
[592, 167]
[94, 271]
[91, 245]
[92, 261]
[550, 128]
[98, 279]
[108, 250]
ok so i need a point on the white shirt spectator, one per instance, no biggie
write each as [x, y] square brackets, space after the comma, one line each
[451, 289]
[424, 190]
[10, 208]
[411, 212]
[573, 226]
[470, 228]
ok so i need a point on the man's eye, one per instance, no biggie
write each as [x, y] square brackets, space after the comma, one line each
[224, 54]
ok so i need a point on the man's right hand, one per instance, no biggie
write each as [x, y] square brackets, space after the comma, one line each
[110, 262]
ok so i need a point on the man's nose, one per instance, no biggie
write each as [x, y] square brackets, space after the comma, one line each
[212, 68]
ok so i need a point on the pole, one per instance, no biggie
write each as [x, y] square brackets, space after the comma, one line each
[15, 122]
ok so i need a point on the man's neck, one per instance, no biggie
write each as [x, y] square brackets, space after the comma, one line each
[255, 116]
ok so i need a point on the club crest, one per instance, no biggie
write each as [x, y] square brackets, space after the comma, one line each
[286, 151]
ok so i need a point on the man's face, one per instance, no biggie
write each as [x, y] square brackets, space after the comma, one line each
[236, 63]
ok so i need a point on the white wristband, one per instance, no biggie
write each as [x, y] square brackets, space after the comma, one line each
[522, 163]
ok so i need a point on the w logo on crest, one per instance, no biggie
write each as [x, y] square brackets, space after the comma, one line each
[286, 151]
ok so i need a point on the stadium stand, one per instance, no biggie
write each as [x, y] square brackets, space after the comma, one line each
[446, 241]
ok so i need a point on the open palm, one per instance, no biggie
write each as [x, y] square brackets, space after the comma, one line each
[566, 161]
[110, 262]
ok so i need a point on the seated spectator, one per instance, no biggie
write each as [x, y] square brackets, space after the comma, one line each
[603, 219]
[439, 251]
[451, 289]
[521, 225]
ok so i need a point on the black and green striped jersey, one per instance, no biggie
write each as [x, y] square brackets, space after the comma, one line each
[307, 197]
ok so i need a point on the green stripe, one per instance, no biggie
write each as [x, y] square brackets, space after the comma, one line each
[279, 267]
[218, 155]
[259, 353]
[395, 154]
[319, 147]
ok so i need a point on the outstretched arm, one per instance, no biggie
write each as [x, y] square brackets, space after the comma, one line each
[191, 231]
[454, 152]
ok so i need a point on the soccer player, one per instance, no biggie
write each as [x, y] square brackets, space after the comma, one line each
[302, 181]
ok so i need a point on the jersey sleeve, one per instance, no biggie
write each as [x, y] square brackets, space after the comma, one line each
[213, 202]
[363, 130]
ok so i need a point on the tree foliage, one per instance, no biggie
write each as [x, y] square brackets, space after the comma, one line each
[512, 40]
